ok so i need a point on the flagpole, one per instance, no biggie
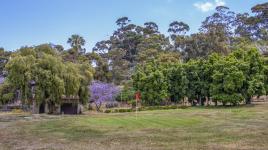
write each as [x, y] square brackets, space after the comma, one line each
[136, 97]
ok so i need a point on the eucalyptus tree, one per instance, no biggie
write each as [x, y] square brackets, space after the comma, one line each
[261, 24]
[244, 26]
[177, 32]
[122, 44]
[119, 66]
[101, 67]
[150, 28]
[122, 22]
[149, 48]
[219, 30]
[178, 28]
[127, 38]
[195, 46]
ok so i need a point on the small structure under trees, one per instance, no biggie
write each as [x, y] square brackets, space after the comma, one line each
[52, 77]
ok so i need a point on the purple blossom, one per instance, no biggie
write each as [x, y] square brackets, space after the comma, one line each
[101, 92]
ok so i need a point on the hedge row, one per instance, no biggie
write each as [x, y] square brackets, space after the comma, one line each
[124, 110]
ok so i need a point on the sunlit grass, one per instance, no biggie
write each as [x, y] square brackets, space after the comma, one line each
[192, 128]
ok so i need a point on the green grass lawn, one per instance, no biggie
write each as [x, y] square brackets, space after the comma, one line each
[193, 128]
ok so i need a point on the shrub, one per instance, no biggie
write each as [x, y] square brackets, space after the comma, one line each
[90, 107]
[183, 107]
[17, 111]
[162, 107]
[108, 111]
[125, 110]
[133, 103]
[111, 104]
[149, 108]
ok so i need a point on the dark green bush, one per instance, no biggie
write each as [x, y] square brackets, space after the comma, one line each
[148, 108]
[115, 111]
[108, 111]
[183, 107]
[133, 103]
[161, 107]
[124, 110]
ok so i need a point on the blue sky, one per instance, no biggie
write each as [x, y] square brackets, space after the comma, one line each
[33, 22]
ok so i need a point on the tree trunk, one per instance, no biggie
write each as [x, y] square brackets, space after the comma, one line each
[203, 101]
[34, 109]
[248, 101]
[46, 108]
[207, 101]
[199, 101]
[98, 107]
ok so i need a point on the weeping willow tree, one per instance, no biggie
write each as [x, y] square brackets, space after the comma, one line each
[52, 76]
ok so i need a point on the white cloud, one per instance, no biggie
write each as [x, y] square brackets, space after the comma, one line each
[219, 3]
[208, 6]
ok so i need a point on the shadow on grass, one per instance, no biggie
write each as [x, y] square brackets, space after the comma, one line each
[65, 129]
[225, 107]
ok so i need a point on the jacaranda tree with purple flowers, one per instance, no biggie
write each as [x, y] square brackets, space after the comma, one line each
[101, 92]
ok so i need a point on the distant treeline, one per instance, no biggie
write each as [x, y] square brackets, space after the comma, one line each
[224, 61]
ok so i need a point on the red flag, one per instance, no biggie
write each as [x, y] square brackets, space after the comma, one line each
[138, 96]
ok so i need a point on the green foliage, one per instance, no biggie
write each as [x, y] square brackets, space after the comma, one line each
[228, 79]
[133, 103]
[4, 55]
[53, 77]
[178, 82]
[127, 94]
[20, 72]
[86, 76]
[146, 108]
[152, 83]
[6, 92]
[219, 63]
[48, 74]
[252, 65]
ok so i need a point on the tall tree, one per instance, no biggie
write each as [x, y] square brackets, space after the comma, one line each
[149, 48]
[122, 22]
[218, 30]
[151, 82]
[253, 67]
[178, 28]
[178, 83]
[150, 28]
[102, 92]
[77, 42]
[101, 66]
[261, 15]
[4, 57]
[177, 32]
[52, 77]
[228, 81]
